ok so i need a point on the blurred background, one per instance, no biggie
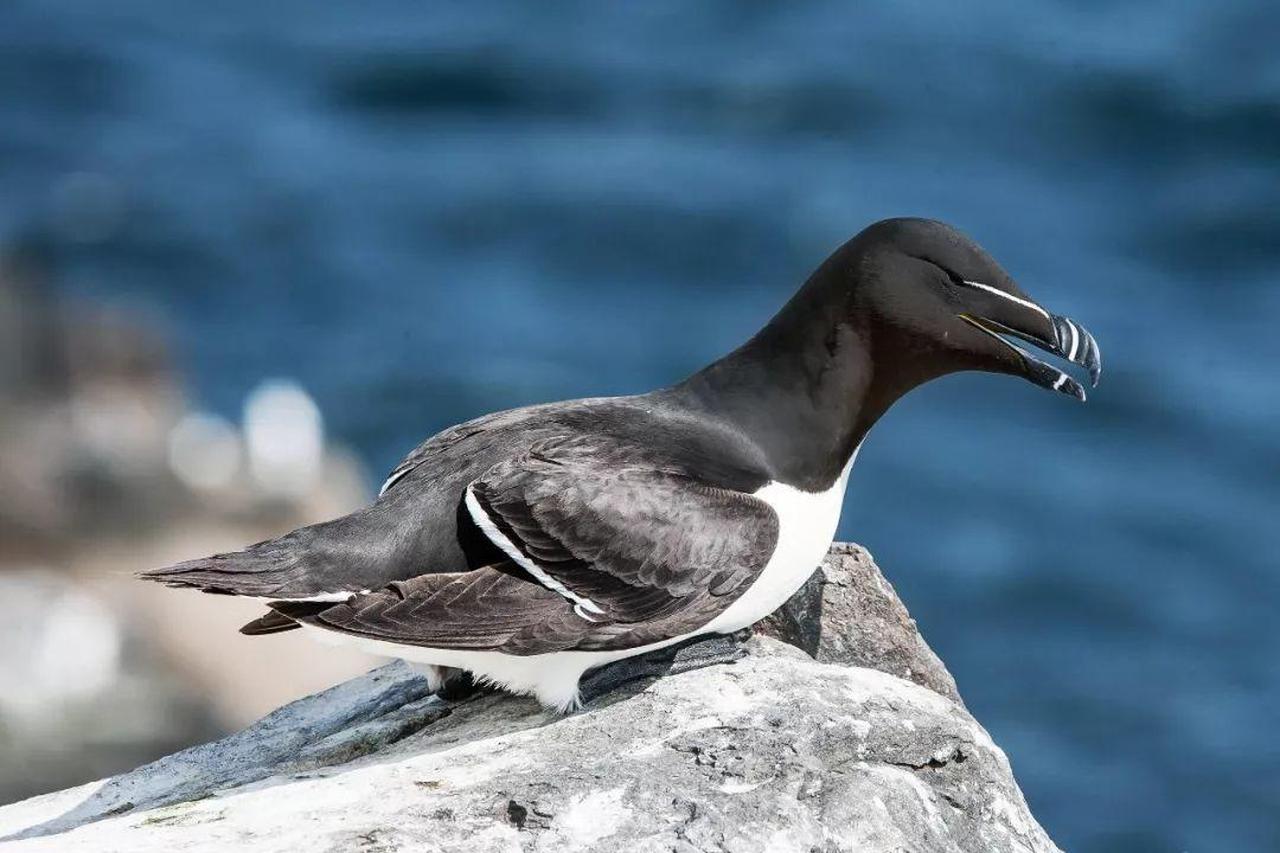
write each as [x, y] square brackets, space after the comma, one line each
[252, 253]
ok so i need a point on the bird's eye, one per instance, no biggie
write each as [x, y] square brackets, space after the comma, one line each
[953, 278]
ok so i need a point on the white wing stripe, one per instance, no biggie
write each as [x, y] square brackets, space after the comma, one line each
[996, 291]
[495, 535]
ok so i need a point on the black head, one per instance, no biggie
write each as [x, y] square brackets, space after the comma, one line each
[903, 302]
[929, 300]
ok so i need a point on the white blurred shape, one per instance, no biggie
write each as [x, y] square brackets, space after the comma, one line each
[79, 648]
[204, 452]
[285, 437]
[58, 644]
[116, 428]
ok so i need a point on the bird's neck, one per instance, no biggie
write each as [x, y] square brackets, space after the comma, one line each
[806, 388]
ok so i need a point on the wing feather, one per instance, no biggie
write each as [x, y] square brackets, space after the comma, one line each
[640, 541]
[654, 550]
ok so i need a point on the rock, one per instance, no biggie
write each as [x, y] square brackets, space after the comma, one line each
[848, 613]
[774, 752]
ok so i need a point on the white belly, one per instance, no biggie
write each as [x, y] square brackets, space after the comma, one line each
[552, 677]
[806, 525]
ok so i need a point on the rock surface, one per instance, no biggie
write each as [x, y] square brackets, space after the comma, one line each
[774, 752]
[848, 613]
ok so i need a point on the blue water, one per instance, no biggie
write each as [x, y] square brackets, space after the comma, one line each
[423, 213]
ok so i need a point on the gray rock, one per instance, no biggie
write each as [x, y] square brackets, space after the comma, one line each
[774, 752]
[848, 613]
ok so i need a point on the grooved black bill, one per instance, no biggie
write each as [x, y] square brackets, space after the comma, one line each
[1072, 342]
[1077, 346]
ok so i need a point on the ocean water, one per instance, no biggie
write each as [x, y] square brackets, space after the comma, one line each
[425, 212]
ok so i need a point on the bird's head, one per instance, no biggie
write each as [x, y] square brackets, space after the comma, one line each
[931, 300]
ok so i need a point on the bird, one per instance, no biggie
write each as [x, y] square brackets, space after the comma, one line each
[530, 546]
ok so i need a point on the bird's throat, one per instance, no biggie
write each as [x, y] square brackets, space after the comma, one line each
[806, 400]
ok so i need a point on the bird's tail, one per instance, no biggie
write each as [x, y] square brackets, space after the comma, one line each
[273, 569]
[276, 621]
[271, 623]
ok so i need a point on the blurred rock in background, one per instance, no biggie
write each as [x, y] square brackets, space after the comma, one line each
[105, 468]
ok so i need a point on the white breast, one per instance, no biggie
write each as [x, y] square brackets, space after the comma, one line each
[806, 525]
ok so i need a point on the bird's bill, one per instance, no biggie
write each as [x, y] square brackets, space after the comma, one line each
[1061, 336]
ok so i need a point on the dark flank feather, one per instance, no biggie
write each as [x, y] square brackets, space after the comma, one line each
[656, 553]
[491, 608]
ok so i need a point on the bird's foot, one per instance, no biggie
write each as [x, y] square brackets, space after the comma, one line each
[459, 684]
[449, 683]
[694, 653]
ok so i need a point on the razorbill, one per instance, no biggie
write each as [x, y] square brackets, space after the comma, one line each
[530, 546]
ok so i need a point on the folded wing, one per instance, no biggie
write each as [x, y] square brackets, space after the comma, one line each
[608, 550]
